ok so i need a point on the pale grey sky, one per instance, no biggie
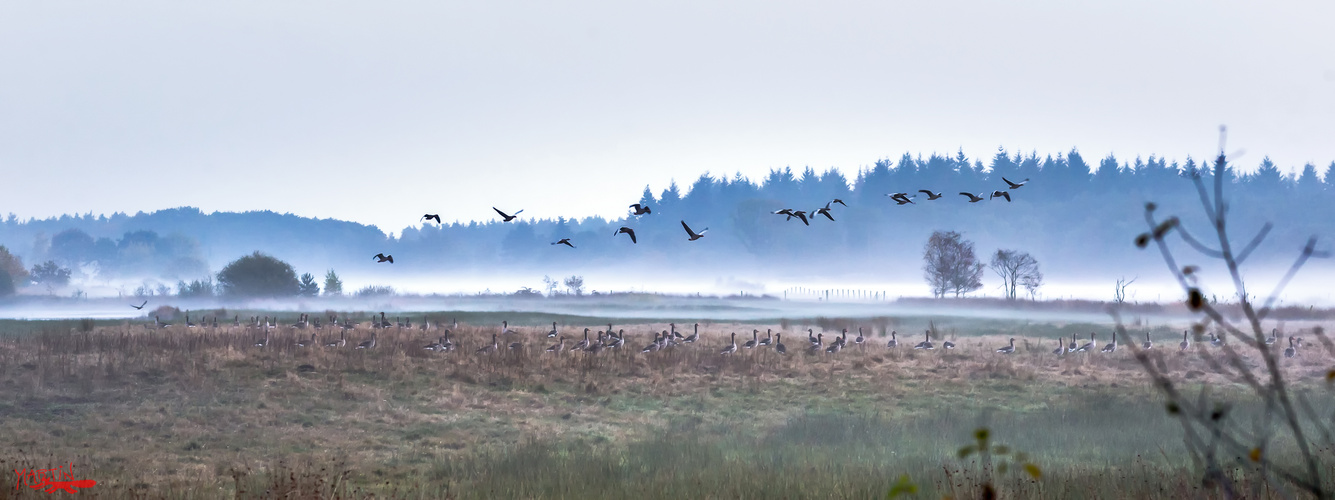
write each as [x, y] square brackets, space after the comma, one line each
[380, 111]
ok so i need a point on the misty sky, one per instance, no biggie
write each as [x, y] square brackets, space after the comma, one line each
[379, 111]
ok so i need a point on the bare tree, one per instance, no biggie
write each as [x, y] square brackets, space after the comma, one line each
[1119, 294]
[575, 284]
[1225, 449]
[950, 264]
[1017, 269]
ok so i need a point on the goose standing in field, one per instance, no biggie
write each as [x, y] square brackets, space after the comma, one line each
[434, 346]
[1185, 343]
[507, 217]
[1147, 344]
[1008, 349]
[1089, 346]
[616, 341]
[564, 241]
[816, 346]
[559, 346]
[583, 343]
[767, 340]
[1272, 338]
[384, 323]
[946, 344]
[778, 344]
[930, 195]
[641, 209]
[1014, 185]
[1072, 346]
[860, 339]
[368, 344]
[1217, 341]
[629, 232]
[1291, 351]
[552, 333]
[894, 342]
[188, 323]
[505, 328]
[445, 343]
[755, 339]
[973, 198]
[264, 342]
[694, 336]
[158, 322]
[692, 234]
[305, 343]
[342, 340]
[380, 257]
[515, 346]
[926, 344]
[812, 338]
[731, 347]
[672, 328]
[489, 348]
[653, 346]
[1110, 348]
[1060, 348]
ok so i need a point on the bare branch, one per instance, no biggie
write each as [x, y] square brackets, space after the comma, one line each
[1260, 235]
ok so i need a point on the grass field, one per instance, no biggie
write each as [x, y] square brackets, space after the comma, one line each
[203, 413]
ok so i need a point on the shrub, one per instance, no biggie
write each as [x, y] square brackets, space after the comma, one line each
[258, 275]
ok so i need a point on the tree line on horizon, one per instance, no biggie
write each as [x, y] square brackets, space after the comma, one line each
[1071, 212]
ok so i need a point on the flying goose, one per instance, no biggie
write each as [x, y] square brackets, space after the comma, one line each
[641, 209]
[140, 306]
[1000, 194]
[1008, 349]
[822, 211]
[1147, 344]
[930, 195]
[380, 257]
[692, 234]
[836, 200]
[1014, 185]
[973, 198]
[489, 348]
[435, 217]
[508, 218]
[1109, 348]
[1088, 345]
[629, 232]
[800, 214]
[778, 344]
[732, 347]
[564, 241]
[368, 344]
[903, 200]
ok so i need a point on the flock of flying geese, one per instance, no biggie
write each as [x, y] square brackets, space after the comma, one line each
[510, 339]
[803, 215]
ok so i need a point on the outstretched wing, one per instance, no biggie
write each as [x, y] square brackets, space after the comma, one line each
[390, 258]
[500, 212]
[631, 232]
[1007, 196]
[687, 228]
[803, 217]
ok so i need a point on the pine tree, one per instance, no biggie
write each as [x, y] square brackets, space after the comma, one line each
[332, 285]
